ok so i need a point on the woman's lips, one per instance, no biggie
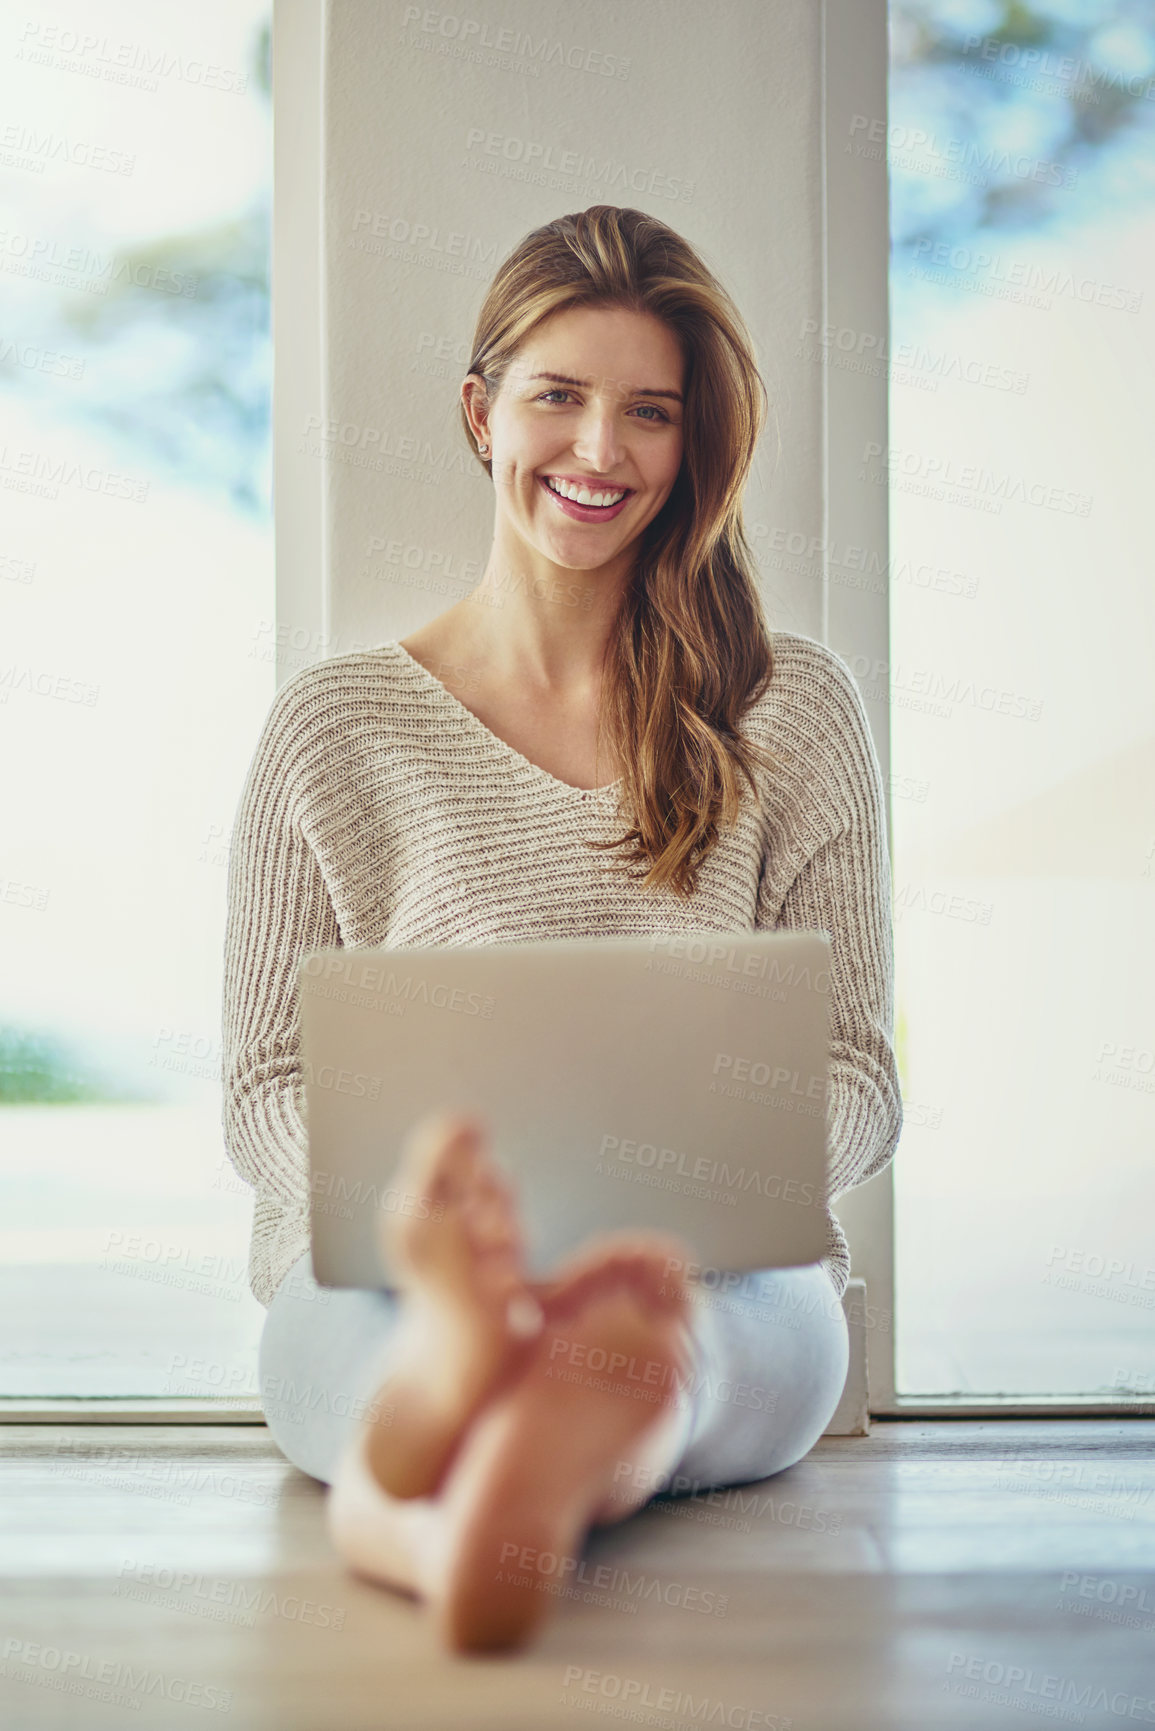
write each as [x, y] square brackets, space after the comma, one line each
[585, 513]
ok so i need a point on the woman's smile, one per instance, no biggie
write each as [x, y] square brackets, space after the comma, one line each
[584, 501]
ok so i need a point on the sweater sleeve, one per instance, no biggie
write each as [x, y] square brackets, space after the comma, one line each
[278, 907]
[842, 888]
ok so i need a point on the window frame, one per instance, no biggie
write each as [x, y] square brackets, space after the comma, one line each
[856, 622]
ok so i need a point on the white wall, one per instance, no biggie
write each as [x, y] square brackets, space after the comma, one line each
[732, 120]
[713, 124]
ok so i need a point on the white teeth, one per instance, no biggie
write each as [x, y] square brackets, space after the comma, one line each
[582, 495]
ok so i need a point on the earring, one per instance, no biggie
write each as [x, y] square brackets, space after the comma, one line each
[483, 450]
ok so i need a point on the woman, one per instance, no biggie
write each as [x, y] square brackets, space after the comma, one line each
[601, 740]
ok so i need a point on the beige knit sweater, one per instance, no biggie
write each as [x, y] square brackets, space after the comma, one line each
[380, 812]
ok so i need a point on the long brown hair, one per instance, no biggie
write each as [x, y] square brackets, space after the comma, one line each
[690, 650]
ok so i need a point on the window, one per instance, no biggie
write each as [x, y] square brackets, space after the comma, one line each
[137, 592]
[136, 577]
[1021, 142]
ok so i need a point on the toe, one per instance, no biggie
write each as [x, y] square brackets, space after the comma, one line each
[490, 1225]
[441, 1150]
[650, 1266]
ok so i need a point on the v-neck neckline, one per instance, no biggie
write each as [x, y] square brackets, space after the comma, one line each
[495, 740]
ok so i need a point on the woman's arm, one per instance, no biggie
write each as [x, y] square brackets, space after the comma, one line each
[278, 907]
[843, 889]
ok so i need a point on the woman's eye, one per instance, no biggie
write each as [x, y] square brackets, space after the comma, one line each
[652, 412]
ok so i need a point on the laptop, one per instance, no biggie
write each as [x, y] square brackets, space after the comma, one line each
[673, 1082]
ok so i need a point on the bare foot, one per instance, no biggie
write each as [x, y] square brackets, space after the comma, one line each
[469, 1314]
[538, 1464]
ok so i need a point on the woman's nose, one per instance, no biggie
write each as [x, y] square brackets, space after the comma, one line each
[598, 441]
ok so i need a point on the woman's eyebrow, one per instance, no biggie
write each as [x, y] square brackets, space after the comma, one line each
[583, 384]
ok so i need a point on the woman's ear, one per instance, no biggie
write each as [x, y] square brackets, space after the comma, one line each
[476, 399]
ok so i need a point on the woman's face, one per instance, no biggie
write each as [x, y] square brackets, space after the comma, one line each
[609, 420]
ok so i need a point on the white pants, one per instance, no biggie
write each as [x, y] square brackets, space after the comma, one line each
[771, 1352]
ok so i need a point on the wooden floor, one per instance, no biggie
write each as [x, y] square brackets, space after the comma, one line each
[934, 1574]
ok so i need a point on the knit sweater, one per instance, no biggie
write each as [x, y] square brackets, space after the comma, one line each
[379, 812]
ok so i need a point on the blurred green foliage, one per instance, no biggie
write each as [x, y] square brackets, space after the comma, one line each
[1030, 112]
[42, 1068]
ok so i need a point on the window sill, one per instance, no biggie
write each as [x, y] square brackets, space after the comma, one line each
[223, 1409]
[1017, 1406]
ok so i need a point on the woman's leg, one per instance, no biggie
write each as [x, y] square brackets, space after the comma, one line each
[452, 1433]
[569, 1444]
[467, 1319]
[770, 1362]
[324, 1355]
[771, 1353]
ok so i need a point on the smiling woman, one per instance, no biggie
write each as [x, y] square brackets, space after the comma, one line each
[386, 809]
[629, 467]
